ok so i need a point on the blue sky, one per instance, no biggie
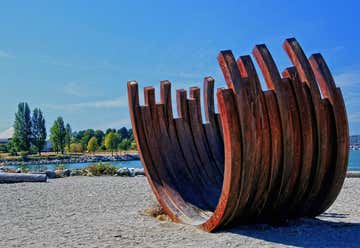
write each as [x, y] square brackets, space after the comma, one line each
[73, 58]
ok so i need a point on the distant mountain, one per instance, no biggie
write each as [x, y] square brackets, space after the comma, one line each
[7, 134]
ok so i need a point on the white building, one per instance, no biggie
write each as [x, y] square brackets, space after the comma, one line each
[6, 136]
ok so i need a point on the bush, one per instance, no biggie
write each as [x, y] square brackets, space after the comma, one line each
[102, 169]
[76, 147]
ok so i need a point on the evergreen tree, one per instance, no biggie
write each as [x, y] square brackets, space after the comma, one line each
[68, 135]
[22, 128]
[78, 135]
[38, 130]
[110, 130]
[131, 135]
[57, 135]
[99, 136]
[123, 132]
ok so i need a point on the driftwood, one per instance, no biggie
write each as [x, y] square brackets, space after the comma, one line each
[266, 156]
[21, 177]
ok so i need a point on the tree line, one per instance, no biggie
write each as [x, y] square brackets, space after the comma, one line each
[97, 140]
[30, 136]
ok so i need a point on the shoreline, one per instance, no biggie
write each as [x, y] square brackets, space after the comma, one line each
[72, 159]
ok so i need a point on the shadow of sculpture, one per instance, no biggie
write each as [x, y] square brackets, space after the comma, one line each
[306, 232]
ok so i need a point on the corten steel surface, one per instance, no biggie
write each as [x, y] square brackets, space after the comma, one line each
[267, 155]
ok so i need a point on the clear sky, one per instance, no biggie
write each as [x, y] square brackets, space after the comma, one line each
[73, 58]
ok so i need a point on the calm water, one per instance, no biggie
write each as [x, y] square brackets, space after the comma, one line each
[118, 164]
[354, 163]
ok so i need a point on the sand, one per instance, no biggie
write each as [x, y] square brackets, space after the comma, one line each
[109, 212]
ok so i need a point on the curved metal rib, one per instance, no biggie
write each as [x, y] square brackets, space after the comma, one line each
[273, 154]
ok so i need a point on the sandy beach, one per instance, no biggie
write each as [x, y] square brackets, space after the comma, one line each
[110, 212]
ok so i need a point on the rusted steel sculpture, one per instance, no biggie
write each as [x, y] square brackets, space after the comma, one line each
[267, 155]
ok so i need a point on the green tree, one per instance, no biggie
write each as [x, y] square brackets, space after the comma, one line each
[78, 135]
[92, 145]
[133, 145]
[38, 130]
[111, 141]
[22, 128]
[123, 132]
[76, 147]
[11, 148]
[110, 130]
[3, 148]
[125, 145]
[99, 136]
[131, 135]
[86, 137]
[68, 135]
[57, 135]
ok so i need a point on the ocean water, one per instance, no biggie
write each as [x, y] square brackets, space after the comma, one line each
[118, 164]
[354, 160]
[354, 163]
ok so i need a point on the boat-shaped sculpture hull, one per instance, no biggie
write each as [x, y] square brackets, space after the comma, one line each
[266, 156]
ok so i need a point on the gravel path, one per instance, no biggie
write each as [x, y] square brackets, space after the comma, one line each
[109, 212]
